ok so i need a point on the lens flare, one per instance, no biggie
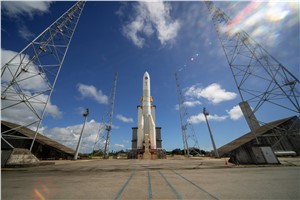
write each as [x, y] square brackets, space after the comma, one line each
[276, 12]
[41, 192]
[265, 21]
[252, 6]
[38, 195]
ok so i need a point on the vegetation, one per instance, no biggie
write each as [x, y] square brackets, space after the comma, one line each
[177, 151]
[193, 152]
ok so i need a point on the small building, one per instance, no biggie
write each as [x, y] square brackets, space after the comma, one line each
[44, 148]
[272, 138]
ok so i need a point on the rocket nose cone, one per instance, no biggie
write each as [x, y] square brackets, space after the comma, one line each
[146, 75]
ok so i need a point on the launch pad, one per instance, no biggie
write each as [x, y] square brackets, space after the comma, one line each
[141, 153]
[152, 154]
[150, 179]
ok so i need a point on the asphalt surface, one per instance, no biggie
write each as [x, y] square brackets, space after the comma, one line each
[151, 179]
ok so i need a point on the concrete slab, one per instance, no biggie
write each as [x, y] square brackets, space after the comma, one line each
[150, 179]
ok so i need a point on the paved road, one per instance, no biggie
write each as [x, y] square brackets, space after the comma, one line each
[159, 179]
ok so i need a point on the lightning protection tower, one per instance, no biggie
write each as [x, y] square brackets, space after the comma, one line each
[28, 79]
[190, 142]
[102, 141]
[259, 77]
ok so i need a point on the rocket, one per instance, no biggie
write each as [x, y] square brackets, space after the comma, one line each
[146, 133]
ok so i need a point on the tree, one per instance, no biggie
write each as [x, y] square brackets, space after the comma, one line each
[177, 152]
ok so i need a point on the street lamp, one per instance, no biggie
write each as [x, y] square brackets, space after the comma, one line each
[85, 115]
[211, 136]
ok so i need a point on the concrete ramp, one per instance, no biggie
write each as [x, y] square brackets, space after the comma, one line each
[19, 158]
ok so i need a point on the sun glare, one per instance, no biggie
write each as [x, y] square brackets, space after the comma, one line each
[276, 11]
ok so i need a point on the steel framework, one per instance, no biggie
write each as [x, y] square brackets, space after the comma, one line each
[102, 141]
[190, 142]
[28, 79]
[259, 77]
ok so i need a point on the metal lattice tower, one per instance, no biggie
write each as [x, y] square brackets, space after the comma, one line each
[102, 141]
[28, 79]
[259, 77]
[190, 142]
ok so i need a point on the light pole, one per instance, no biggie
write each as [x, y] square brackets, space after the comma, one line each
[211, 136]
[85, 115]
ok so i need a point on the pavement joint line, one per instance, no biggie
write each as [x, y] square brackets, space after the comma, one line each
[124, 186]
[178, 196]
[216, 198]
[149, 186]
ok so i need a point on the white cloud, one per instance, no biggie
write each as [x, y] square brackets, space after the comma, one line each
[25, 33]
[90, 91]
[189, 104]
[160, 16]
[195, 119]
[192, 103]
[235, 113]
[124, 119]
[31, 80]
[126, 141]
[151, 16]
[213, 93]
[21, 9]
[51, 109]
[23, 115]
[32, 88]
[119, 146]
[69, 135]
[16, 8]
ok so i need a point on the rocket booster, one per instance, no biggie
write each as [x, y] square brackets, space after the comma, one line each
[146, 124]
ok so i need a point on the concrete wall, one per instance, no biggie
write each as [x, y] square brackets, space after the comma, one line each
[134, 138]
[21, 157]
[252, 153]
[158, 138]
[5, 154]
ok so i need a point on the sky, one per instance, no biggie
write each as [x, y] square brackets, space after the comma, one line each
[159, 37]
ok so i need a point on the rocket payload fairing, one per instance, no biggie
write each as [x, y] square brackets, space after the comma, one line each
[146, 133]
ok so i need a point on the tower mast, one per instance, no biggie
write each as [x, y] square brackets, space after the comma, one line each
[190, 142]
[251, 63]
[28, 79]
[104, 132]
[111, 113]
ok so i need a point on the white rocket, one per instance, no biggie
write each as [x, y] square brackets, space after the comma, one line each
[146, 133]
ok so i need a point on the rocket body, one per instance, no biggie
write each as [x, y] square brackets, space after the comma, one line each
[146, 124]
[146, 103]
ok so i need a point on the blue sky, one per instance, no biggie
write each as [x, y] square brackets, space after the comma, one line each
[161, 38]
